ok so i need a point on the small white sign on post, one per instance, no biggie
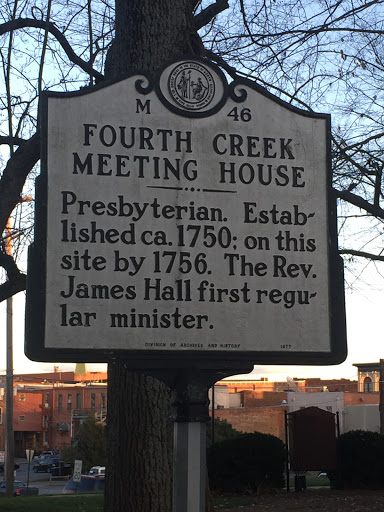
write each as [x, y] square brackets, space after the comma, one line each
[29, 454]
[77, 470]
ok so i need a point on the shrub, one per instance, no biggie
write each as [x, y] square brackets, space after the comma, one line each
[361, 459]
[89, 445]
[250, 462]
[223, 430]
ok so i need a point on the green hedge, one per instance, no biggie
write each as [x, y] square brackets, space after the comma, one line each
[222, 431]
[247, 462]
[361, 459]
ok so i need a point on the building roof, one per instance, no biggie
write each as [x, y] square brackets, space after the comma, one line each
[58, 376]
[366, 367]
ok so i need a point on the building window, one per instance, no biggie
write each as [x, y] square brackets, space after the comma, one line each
[22, 418]
[93, 400]
[368, 385]
[102, 401]
[60, 402]
[45, 421]
[69, 402]
[46, 398]
[45, 438]
[78, 401]
[22, 398]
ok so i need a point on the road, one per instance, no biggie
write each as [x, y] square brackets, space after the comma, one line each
[43, 481]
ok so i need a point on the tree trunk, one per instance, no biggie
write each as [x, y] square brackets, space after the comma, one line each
[149, 33]
[139, 461]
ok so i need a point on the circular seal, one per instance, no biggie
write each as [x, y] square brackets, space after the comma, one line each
[191, 85]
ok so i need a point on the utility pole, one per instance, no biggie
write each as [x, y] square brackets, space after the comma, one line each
[381, 390]
[9, 436]
[213, 416]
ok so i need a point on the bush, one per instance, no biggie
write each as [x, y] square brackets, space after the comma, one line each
[89, 445]
[223, 430]
[250, 462]
[361, 458]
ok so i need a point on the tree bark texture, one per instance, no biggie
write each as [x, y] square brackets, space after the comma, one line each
[139, 461]
[149, 33]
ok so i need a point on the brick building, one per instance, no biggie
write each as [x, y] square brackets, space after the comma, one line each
[49, 407]
[313, 384]
[262, 404]
[268, 420]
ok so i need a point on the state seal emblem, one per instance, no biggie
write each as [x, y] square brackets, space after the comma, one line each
[191, 85]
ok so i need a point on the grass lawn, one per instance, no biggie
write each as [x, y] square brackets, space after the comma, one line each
[317, 481]
[95, 503]
[74, 503]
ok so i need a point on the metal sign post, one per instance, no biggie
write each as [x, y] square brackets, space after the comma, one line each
[190, 418]
[29, 454]
[189, 467]
[190, 403]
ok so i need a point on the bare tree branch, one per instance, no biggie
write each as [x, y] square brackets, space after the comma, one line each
[358, 201]
[17, 141]
[15, 173]
[232, 72]
[362, 254]
[207, 14]
[59, 36]
[16, 280]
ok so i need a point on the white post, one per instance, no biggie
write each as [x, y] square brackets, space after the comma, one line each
[189, 467]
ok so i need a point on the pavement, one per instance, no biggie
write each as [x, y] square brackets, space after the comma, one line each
[44, 481]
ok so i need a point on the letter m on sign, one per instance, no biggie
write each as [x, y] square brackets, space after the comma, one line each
[141, 107]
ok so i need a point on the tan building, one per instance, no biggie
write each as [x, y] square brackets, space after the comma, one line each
[368, 376]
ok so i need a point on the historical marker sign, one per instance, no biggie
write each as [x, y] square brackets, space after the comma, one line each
[180, 216]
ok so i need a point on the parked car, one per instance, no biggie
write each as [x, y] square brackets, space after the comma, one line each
[45, 454]
[44, 464]
[16, 466]
[21, 489]
[61, 468]
[49, 453]
[97, 470]
[88, 483]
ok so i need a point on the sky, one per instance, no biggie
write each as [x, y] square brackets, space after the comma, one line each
[364, 313]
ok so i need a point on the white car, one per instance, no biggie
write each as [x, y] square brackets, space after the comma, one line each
[97, 470]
